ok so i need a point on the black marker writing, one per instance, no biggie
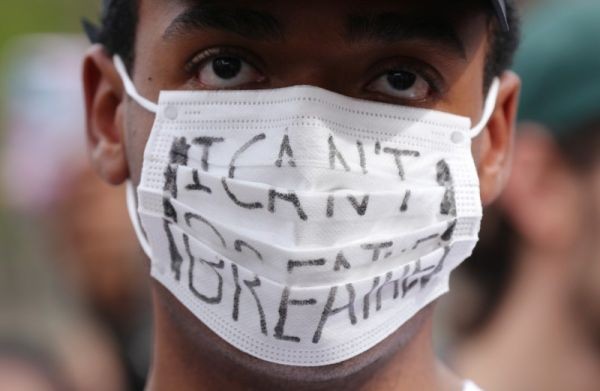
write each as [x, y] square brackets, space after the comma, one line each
[238, 292]
[407, 284]
[423, 240]
[179, 152]
[387, 282]
[286, 149]
[449, 233]
[361, 154]
[197, 186]
[243, 149]
[251, 285]
[329, 310]
[437, 269]
[176, 258]
[171, 180]
[313, 262]
[241, 204]
[330, 206]
[169, 210]
[214, 266]
[360, 208]
[289, 197]
[404, 206]
[367, 298]
[377, 148]
[398, 154]
[283, 314]
[240, 244]
[444, 178]
[207, 143]
[189, 217]
[341, 261]
[376, 248]
[335, 154]
[422, 275]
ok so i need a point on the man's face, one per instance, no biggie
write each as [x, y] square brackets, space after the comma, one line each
[425, 53]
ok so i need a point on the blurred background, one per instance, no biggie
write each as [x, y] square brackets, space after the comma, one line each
[524, 312]
[73, 308]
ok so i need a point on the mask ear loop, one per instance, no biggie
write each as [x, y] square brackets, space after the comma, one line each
[488, 110]
[130, 87]
[133, 216]
[152, 107]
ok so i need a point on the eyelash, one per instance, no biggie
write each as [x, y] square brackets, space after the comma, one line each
[193, 65]
[428, 73]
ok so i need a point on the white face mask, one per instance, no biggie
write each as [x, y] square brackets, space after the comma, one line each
[302, 226]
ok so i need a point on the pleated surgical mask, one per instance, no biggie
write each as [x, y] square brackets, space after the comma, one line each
[302, 226]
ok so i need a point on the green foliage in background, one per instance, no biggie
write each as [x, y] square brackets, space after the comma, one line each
[19, 17]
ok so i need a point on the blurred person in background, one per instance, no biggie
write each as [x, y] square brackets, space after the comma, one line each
[535, 322]
[70, 292]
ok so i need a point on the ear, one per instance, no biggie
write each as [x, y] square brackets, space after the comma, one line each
[541, 196]
[104, 116]
[495, 152]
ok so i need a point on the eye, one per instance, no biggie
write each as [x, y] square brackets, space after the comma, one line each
[218, 71]
[401, 84]
[228, 72]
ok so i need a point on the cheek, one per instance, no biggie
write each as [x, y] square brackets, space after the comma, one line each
[138, 125]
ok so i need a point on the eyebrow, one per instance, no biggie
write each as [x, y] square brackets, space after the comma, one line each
[387, 27]
[247, 23]
[393, 27]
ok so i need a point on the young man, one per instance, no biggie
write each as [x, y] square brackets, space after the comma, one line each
[301, 220]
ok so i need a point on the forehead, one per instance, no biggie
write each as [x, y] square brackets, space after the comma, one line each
[429, 6]
[313, 17]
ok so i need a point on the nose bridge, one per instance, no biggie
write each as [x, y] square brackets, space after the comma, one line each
[317, 62]
[315, 71]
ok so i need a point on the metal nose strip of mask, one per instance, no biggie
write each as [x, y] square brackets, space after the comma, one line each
[488, 110]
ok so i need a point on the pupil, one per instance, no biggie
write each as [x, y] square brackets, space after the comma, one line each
[227, 67]
[401, 80]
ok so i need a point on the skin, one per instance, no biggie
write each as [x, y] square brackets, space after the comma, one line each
[187, 354]
[550, 315]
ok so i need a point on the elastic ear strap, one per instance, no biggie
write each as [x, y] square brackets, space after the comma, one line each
[131, 208]
[130, 87]
[488, 110]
